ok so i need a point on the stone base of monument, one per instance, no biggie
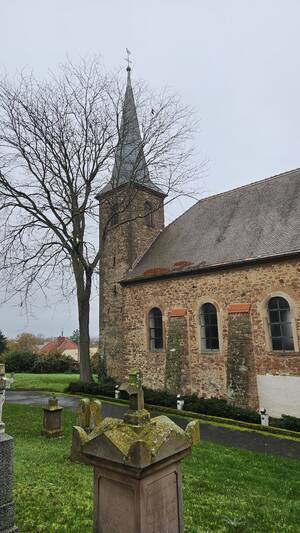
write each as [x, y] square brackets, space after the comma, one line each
[52, 424]
[6, 485]
[137, 475]
[153, 495]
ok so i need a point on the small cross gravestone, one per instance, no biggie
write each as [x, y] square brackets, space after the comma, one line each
[6, 464]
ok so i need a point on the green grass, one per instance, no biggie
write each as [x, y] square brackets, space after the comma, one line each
[45, 382]
[225, 490]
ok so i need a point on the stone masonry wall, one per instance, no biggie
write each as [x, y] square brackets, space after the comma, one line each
[251, 285]
[122, 245]
[239, 357]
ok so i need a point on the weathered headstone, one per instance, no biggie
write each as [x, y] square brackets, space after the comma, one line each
[52, 423]
[88, 417]
[6, 465]
[137, 473]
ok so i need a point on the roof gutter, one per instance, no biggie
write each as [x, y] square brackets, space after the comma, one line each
[212, 268]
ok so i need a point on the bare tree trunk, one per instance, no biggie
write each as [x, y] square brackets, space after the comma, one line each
[83, 285]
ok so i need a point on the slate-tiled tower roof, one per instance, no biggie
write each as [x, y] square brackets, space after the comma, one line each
[130, 164]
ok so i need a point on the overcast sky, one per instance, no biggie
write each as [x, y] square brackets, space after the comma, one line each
[236, 62]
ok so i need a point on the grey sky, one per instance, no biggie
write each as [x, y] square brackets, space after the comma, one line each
[236, 62]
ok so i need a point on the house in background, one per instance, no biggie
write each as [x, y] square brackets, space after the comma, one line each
[65, 346]
[211, 303]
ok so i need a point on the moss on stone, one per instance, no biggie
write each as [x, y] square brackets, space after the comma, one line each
[174, 355]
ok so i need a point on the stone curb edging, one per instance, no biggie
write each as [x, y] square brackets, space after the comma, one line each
[272, 430]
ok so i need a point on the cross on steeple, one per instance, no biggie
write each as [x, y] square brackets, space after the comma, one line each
[130, 165]
[128, 60]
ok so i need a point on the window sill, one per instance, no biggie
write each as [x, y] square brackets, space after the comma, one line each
[158, 350]
[283, 354]
[210, 352]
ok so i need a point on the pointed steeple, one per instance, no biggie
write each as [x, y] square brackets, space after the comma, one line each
[130, 165]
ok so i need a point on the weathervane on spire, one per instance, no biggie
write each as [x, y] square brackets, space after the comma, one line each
[128, 60]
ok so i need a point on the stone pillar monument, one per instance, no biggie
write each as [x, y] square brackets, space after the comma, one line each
[137, 472]
[52, 424]
[6, 465]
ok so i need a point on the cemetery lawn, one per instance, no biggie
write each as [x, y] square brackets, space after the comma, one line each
[43, 382]
[225, 489]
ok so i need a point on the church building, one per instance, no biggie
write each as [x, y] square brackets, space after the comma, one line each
[209, 304]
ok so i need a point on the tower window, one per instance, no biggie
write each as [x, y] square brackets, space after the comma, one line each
[280, 324]
[209, 327]
[148, 214]
[114, 214]
[155, 329]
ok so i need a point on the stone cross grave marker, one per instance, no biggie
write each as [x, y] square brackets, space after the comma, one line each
[137, 473]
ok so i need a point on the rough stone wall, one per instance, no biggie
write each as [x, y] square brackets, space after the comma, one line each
[239, 357]
[208, 371]
[177, 375]
[122, 245]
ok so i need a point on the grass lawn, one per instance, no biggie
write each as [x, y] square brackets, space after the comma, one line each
[225, 490]
[45, 382]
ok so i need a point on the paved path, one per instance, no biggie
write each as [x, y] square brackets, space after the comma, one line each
[238, 439]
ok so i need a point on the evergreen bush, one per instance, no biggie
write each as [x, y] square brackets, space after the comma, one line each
[208, 406]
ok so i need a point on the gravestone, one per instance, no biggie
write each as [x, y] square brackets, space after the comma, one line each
[88, 417]
[6, 465]
[137, 472]
[52, 424]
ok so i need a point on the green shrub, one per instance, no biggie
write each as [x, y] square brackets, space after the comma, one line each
[156, 397]
[20, 361]
[56, 363]
[287, 422]
[220, 407]
[106, 388]
[208, 406]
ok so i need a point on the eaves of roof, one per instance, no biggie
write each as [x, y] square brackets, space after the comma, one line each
[294, 254]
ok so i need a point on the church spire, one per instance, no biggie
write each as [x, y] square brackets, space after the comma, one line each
[130, 165]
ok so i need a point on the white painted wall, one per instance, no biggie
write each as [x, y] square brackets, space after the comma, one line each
[74, 353]
[279, 394]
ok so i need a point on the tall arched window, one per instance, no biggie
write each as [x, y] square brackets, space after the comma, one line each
[155, 329]
[209, 327]
[148, 214]
[280, 324]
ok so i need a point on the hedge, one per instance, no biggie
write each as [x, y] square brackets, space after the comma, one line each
[53, 363]
[208, 406]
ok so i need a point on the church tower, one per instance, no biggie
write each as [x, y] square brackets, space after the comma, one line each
[131, 217]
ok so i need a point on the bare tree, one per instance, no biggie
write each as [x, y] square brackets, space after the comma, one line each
[58, 140]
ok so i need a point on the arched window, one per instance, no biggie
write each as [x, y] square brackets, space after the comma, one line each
[280, 324]
[155, 329]
[209, 327]
[148, 214]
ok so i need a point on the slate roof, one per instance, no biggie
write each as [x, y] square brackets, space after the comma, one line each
[249, 223]
[130, 164]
